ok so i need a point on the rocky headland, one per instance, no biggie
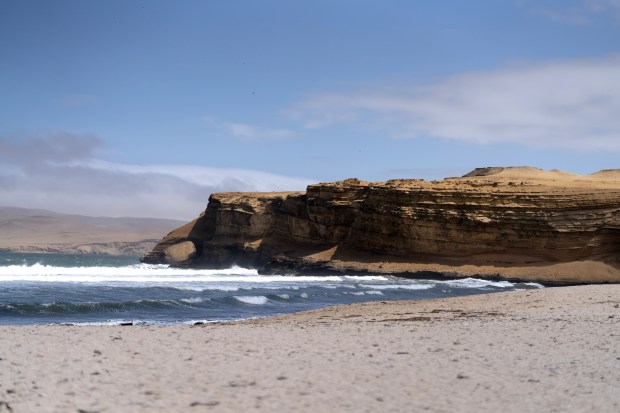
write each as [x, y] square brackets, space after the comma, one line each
[519, 223]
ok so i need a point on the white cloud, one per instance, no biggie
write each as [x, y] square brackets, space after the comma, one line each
[603, 6]
[244, 179]
[567, 104]
[59, 172]
[246, 132]
[578, 12]
[249, 133]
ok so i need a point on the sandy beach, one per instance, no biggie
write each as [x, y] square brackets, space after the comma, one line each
[550, 350]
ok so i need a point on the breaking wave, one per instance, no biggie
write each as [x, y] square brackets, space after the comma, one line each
[100, 294]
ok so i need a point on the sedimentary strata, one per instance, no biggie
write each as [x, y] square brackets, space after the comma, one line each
[515, 223]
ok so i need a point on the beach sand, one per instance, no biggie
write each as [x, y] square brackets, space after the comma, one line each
[550, 350]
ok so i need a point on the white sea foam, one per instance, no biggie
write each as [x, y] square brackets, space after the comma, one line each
[365, 277]
[476, 283]
[192, 300]
[215, 287]
[105, 323]
[202, 321]
[284, 296]
[373, 292]
[398, 286]
[130, 270]
[535, 285]
[252, 299]
[146, 273]
[303, 295]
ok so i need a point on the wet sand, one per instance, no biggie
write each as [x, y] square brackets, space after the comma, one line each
[551, 350]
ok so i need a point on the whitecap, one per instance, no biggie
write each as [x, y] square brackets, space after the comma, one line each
[398, 286]
[227, 288]
[252, 299]
[365, 277]
[148, 273]
[535, 285]
[476, 283]
[138, 272]
[192, 300]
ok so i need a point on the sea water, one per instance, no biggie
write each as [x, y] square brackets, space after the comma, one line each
[83, 289]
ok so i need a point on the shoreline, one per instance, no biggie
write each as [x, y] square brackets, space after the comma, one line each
[429, 274]
[499, 269]
[553, 349]
[442, 271]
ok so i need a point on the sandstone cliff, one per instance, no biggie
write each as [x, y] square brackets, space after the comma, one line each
[514, 223]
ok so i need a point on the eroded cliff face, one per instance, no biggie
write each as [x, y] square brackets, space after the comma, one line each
[515, 223]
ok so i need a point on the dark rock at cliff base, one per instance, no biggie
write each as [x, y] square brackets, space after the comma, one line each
[514, 223]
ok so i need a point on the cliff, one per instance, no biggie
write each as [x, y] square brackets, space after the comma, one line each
[514, 223]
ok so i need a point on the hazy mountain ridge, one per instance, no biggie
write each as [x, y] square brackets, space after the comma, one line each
[37, 230]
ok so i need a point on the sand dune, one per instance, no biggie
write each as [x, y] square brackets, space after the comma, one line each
[552, 177]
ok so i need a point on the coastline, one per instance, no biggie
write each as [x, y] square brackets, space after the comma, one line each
[513, 223]
[584, 272]
[555, 349]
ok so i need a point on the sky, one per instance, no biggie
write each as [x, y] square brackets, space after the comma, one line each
[145, 108]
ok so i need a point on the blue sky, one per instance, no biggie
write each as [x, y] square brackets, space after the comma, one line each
[146, 107]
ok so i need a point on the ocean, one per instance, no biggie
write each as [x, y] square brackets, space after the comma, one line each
[40, 289]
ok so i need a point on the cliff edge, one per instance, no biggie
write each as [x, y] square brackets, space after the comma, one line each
[518, 223]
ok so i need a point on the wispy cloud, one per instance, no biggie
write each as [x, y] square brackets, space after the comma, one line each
[60, 146]
[578, 12]
[250, 133]
[253, 133]
[60, 172]
[567, 104]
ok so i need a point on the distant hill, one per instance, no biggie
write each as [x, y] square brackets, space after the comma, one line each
[36, 230]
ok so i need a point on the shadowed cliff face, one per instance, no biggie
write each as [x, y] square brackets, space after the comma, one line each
[520, 223]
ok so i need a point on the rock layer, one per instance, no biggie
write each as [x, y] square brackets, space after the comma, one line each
[515, 223]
